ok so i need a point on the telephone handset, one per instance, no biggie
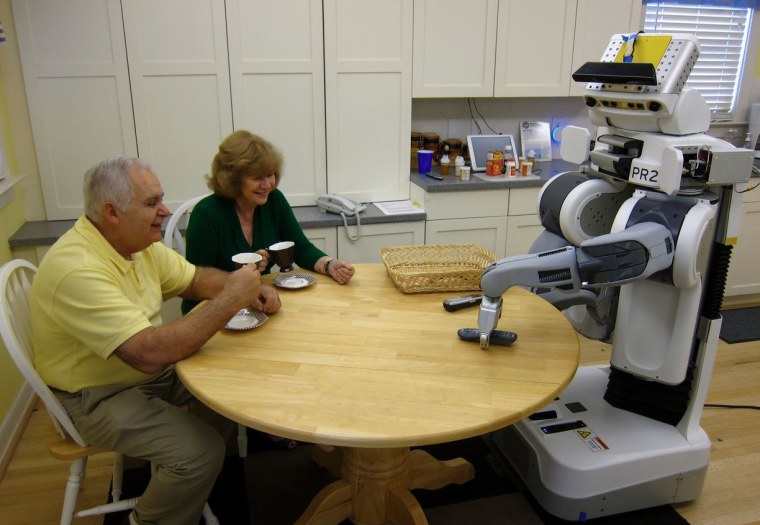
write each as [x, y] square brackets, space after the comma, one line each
[343, 207]
[339, 205]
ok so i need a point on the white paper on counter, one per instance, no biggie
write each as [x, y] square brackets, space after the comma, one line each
[398, 207]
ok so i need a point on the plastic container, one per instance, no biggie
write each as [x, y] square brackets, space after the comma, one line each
[494, 162]
[509, 156]
[453, 147]
[424, 160]
[445, 164]
[458, 165]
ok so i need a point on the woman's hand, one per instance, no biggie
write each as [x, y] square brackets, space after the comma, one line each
[264, 262]
[340, 271]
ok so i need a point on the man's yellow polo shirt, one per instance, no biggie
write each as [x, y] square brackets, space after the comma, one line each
[87, 300]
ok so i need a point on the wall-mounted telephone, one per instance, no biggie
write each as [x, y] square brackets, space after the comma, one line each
[339, 205]
[343, 207]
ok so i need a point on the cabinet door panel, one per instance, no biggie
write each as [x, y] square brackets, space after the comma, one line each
[77, 86]
[368, 60]
[743, 273]
[488, 232]
[454, 48]
[80, 132]
[522, 230]
[366, 156]
[534, 48]
[325, 239]
[591, 37]
[179, 135]
[277, 81]
[376, 236]
[524, 201]
[281, 108]
[178, 69]
[465, 204]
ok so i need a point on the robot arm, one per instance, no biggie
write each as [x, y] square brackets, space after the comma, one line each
[607, 260]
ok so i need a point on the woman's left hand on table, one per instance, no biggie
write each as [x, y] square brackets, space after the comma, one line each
[341, 271]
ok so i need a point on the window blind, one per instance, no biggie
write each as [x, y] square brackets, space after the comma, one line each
[722, 34]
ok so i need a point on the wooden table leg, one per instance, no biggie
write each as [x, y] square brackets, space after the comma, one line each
[376, 484]
[331, 506]
[426, 472]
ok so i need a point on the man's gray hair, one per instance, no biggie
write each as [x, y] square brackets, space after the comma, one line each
[108, 181]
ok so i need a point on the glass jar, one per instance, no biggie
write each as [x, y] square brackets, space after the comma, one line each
[432, 142]
[415, 145]
[453, 147]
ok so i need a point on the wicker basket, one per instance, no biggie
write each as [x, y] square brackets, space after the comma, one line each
[436, 267]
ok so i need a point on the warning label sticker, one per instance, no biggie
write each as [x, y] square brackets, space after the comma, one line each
[592, 441]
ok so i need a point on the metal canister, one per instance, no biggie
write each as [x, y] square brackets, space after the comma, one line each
[494, 162]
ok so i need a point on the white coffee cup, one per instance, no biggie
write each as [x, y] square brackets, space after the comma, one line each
[245, 258]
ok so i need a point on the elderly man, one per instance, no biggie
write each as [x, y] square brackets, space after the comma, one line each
[100, 344]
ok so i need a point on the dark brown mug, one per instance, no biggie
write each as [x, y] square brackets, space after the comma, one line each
[283, 253]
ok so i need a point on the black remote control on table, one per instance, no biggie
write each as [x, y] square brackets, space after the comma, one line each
[457, 303]
[498, 337]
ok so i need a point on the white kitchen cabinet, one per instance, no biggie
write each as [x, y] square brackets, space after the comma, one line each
[523, 223]
[198, 69]
[368, 97]
[462, 204]
[592, 38]
[277, 84]
[512, 48]
[454, 48]
[77, 86]
[534, 48]
[744, 272]
[326, 239]
[179, 74]
[104, 78]
[373, 237]
[488, 232]
[504, 221]
[522, 231]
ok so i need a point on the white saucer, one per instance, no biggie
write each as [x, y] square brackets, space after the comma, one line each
[294, 280]
[246, 319]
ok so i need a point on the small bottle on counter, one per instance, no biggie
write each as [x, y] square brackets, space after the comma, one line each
[509, 156]
[458, 165]
[465, 173]
[445, 164]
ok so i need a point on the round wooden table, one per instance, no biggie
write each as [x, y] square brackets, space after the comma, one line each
[368, 372]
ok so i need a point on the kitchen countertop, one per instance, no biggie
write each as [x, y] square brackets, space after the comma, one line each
[44, 233]
[451, 183]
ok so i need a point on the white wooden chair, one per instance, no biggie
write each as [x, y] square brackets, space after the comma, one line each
[172, 235]
[67, 445]
[173, 239]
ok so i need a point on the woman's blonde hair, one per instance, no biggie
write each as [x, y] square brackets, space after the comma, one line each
[239, 155]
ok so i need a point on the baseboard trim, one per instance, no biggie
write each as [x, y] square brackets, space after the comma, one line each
[14, 424]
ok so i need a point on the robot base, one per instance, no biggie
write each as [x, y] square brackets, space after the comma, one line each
[586, 459]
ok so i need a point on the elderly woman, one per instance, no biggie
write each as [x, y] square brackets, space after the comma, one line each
[247, 213]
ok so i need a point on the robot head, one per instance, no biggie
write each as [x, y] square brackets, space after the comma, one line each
[639, 85]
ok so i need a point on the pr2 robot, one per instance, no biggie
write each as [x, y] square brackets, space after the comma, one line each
[636, 252]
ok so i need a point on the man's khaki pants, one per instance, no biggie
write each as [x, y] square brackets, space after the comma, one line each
[146, 421]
